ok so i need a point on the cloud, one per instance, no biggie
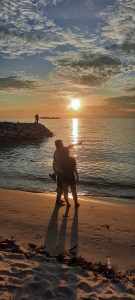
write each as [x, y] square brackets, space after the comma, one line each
[118, 30]
[83, 56]
[29, 86]
[128, 46]
[131, 89]
[89, 60]
[25, 28]
[9, 83]
[86, 69]
[121, 102]
[123, 106]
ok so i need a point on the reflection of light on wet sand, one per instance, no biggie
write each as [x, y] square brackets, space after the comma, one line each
[75, 130]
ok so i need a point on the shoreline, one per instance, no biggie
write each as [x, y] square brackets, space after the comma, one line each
[105, 199]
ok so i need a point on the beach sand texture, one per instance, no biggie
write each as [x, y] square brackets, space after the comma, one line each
[96, 230]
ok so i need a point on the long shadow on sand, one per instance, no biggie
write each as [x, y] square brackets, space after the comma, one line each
[74, 233]
[52, 232]
[55, 239]
[62, 233]
[55, 245]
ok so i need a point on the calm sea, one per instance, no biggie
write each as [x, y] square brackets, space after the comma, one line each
[106, 160]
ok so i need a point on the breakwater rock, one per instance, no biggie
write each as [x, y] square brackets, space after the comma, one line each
[14, 133]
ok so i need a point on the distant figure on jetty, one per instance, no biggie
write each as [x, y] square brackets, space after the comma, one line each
[57, 167]
[36, 118]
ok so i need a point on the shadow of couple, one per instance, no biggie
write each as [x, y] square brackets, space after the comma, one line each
[56, 233]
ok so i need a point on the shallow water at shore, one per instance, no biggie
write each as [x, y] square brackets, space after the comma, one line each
[105, 160]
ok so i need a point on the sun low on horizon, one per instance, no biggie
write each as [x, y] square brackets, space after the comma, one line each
[75, 104]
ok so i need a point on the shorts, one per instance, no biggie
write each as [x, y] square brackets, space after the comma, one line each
[69, 180]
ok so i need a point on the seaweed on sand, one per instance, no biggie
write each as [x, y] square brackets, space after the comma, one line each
[67, 258]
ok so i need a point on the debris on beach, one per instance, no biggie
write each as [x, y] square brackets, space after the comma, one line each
[66, 258]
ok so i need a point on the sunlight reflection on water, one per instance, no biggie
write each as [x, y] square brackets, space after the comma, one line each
[75, 130]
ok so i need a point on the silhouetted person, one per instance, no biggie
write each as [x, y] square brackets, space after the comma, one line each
[69, 176]
[57, 159]
[36, 118]
[57, 167]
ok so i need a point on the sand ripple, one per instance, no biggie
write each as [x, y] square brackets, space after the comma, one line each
[29, 279]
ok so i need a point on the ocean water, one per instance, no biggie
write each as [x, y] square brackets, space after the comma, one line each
[106, 159]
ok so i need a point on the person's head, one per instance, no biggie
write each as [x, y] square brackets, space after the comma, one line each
[59, 144]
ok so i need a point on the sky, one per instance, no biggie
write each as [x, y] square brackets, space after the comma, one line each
[54, 51]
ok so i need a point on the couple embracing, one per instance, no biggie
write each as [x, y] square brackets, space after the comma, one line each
[65, 173]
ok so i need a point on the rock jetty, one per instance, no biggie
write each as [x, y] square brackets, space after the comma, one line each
[13, 133]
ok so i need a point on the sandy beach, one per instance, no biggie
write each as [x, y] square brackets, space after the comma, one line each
[96, 230]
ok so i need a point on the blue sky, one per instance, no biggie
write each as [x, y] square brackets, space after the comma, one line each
[52, 51]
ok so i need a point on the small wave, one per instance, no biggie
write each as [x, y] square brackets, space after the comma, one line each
[18, 176]
[106, 183]
[93, 186]
[107, 195]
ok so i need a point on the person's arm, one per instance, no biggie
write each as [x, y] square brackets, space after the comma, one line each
[73, 145]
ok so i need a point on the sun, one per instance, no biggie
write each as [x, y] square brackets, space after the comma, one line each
[75, 104]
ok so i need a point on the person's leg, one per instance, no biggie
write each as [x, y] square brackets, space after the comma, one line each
[74, 194]
[59, 194]
[65, 191]
[59, 190]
